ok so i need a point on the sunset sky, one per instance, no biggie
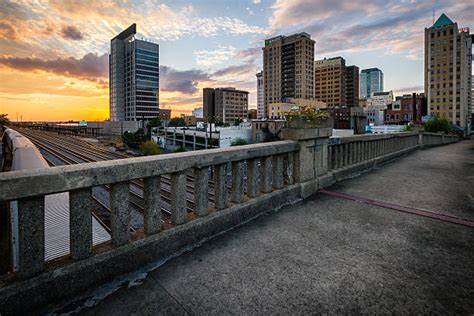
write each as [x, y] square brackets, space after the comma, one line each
[54, 54]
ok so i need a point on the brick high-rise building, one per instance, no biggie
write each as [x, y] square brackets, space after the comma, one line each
[330, 81]
[288, 70]
[260, 96]
[225, 105]
[448, 66]
[208, 104]
[352, 86]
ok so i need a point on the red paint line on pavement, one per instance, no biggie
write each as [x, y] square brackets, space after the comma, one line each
[404, 209]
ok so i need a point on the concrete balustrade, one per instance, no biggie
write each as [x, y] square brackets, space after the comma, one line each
[246, 181]
[354, 154]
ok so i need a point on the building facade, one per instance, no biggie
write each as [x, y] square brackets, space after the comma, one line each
[352, 86]
[380, 99]
[448, 67]
[225, 105]
[260, 96]
[134, 79]
[335, 84]
[330, 84]
[288, 70]
[371, 80]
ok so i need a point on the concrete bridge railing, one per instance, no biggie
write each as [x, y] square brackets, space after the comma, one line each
[246, 181]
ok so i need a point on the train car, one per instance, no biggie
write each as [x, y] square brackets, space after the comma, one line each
[24, 155]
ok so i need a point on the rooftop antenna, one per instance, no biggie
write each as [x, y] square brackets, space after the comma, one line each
[433, 14]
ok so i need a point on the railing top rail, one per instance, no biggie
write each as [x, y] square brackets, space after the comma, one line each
[369, 137]
[29, 183]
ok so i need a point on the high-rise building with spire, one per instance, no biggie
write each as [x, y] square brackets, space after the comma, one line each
[448, 70]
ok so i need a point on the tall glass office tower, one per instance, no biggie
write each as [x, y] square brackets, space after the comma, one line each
[134, 77]
[371, 80]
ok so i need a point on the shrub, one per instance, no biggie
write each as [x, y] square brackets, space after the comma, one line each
[408, 128]
[238, 142]
[150, 148]
[436, 125]
[134, 140]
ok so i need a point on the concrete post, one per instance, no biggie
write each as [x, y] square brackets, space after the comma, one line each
[178, 198]
[201, 191]
[31, 236]
[288, 168]
[80, 223]
[278, 176]
[252, 178]
[267, 173]
[120, 213]
[237, 181]
[220, 187]
[152, 209]
[311, 161]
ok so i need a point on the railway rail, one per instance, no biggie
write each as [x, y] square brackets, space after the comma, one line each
[72, 151]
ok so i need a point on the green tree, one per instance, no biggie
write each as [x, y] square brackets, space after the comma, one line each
[150, 148]
[437, 124]
[135, 139]
[176, 122]
[238, 121]
[154, 122]
[238, 142]
[4, 119]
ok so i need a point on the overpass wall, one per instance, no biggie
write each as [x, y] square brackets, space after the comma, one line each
[244, 181]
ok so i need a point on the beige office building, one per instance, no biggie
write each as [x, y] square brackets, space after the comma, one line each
[448, 64]
[288, 70]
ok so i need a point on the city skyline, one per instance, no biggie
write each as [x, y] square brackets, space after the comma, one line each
[54, 63]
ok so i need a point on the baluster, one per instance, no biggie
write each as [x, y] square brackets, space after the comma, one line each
[178, 198]
[201, 191]
[252, 178]
[80, 223]
[237, 181]
[220, 187]
[267, 174]
[278, 175]
[289, 168]
[119, 213]
[152, 209]
[30, 236]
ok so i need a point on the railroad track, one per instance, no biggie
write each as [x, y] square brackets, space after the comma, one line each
[74, 151]
[91, 155]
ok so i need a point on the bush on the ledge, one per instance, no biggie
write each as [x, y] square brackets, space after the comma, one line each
[307, 112]
[238, 142]
[150, 148]
[436, 125]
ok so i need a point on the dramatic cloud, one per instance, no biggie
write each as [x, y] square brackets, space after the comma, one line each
[90, 67]
[181, 81]
[71, 32]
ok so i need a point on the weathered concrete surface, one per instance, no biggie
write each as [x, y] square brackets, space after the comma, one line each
[329, 255]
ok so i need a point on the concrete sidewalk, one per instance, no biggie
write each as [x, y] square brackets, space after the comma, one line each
[331, 255]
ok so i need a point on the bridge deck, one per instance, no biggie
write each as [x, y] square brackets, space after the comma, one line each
[330, 254]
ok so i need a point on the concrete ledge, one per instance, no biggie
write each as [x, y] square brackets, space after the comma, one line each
[76, 279]
[347, 172]
[299, 134]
